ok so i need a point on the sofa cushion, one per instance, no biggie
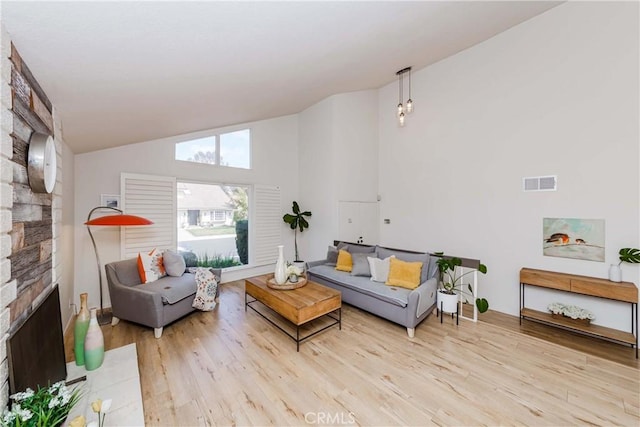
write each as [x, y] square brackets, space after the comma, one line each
[332, 256]
[392, 295]
[360, 249]
[150, 266]
[408, 257]
[174, 263]
[379, 268]
[172, 289]
[127, 271]
[345, 261]
[404, 274]
[360, 265]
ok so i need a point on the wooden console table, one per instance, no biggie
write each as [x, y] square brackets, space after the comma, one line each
[584, 285]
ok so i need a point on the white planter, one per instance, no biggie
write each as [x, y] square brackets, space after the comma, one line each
[300, 264]
[447, 303]
[615, 273]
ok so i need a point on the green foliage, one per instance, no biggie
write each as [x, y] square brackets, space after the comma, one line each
[452, 283]
[208, 157]
[630, 255]
[240, 201]
[217, 261]
[49, 406]
[296, 221]
[242, 240]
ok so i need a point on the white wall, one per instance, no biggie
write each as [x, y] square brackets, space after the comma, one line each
[317, 194]
[338, 161]
[557, 94]
[274, 160]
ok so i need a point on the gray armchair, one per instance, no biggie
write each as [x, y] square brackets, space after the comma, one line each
[153, 304]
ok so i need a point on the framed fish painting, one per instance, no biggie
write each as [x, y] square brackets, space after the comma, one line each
[573, 238]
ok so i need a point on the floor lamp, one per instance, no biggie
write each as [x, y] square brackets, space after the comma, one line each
[118, 220]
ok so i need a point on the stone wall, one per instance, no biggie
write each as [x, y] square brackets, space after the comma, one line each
[26, 219]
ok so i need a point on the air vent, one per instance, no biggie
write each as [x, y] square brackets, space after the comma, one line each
[540, 183]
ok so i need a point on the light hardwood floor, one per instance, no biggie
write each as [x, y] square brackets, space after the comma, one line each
[229, 367]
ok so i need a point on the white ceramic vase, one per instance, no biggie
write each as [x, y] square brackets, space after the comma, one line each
[447, 302]
[615, 273]
[280, 274]
[93, 344]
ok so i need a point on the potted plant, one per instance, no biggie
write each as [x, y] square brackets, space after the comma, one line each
[48, 406]
[630, 255]
[297, 221]
[451, 284]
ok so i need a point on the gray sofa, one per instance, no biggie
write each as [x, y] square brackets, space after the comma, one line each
[403, 306]
[154, 304]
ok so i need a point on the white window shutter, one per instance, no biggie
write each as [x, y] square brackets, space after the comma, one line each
[154, 198]
[267, 225]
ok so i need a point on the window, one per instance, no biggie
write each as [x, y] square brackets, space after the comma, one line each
[213, 223]
[235, 149]
[232, 149]
[201, 150]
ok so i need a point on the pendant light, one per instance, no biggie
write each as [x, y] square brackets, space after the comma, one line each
[409, 101]
[409, 106]
[400, 107]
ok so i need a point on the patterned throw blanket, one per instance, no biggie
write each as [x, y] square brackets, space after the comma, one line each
[207, 285]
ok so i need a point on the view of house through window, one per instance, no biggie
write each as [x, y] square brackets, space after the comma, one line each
[232, 149]
[213, 223]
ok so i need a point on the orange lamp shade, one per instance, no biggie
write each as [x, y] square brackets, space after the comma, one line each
[119, 220]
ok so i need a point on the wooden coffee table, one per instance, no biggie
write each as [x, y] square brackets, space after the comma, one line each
[298, 306]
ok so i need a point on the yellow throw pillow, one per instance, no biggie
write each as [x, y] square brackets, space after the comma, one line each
[404, 274]
[345, 261]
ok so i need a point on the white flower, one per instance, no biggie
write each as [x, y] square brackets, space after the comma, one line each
[54, 402]
[571, 311]
[8, 417]
[64, 395]
[23, 414]
[106, 405]
[292, 269]
[556, 308]
[92, 424]
[56, 386]
[17, 397]
[101, 406]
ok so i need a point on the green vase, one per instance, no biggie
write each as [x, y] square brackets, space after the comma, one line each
[80, 330]
[93, 344]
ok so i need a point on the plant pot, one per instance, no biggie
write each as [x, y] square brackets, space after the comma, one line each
[569, 320]
[448, 303]
[300, 264]
[615, 273]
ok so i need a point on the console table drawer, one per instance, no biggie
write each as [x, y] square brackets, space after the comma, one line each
[545, 279]
[605, 289]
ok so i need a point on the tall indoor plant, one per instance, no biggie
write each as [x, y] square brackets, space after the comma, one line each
[451, 282]
[297, 221]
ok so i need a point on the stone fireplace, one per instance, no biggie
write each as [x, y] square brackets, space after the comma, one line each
[29, 222]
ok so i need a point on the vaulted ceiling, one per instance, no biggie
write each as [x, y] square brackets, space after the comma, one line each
[125, 72]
